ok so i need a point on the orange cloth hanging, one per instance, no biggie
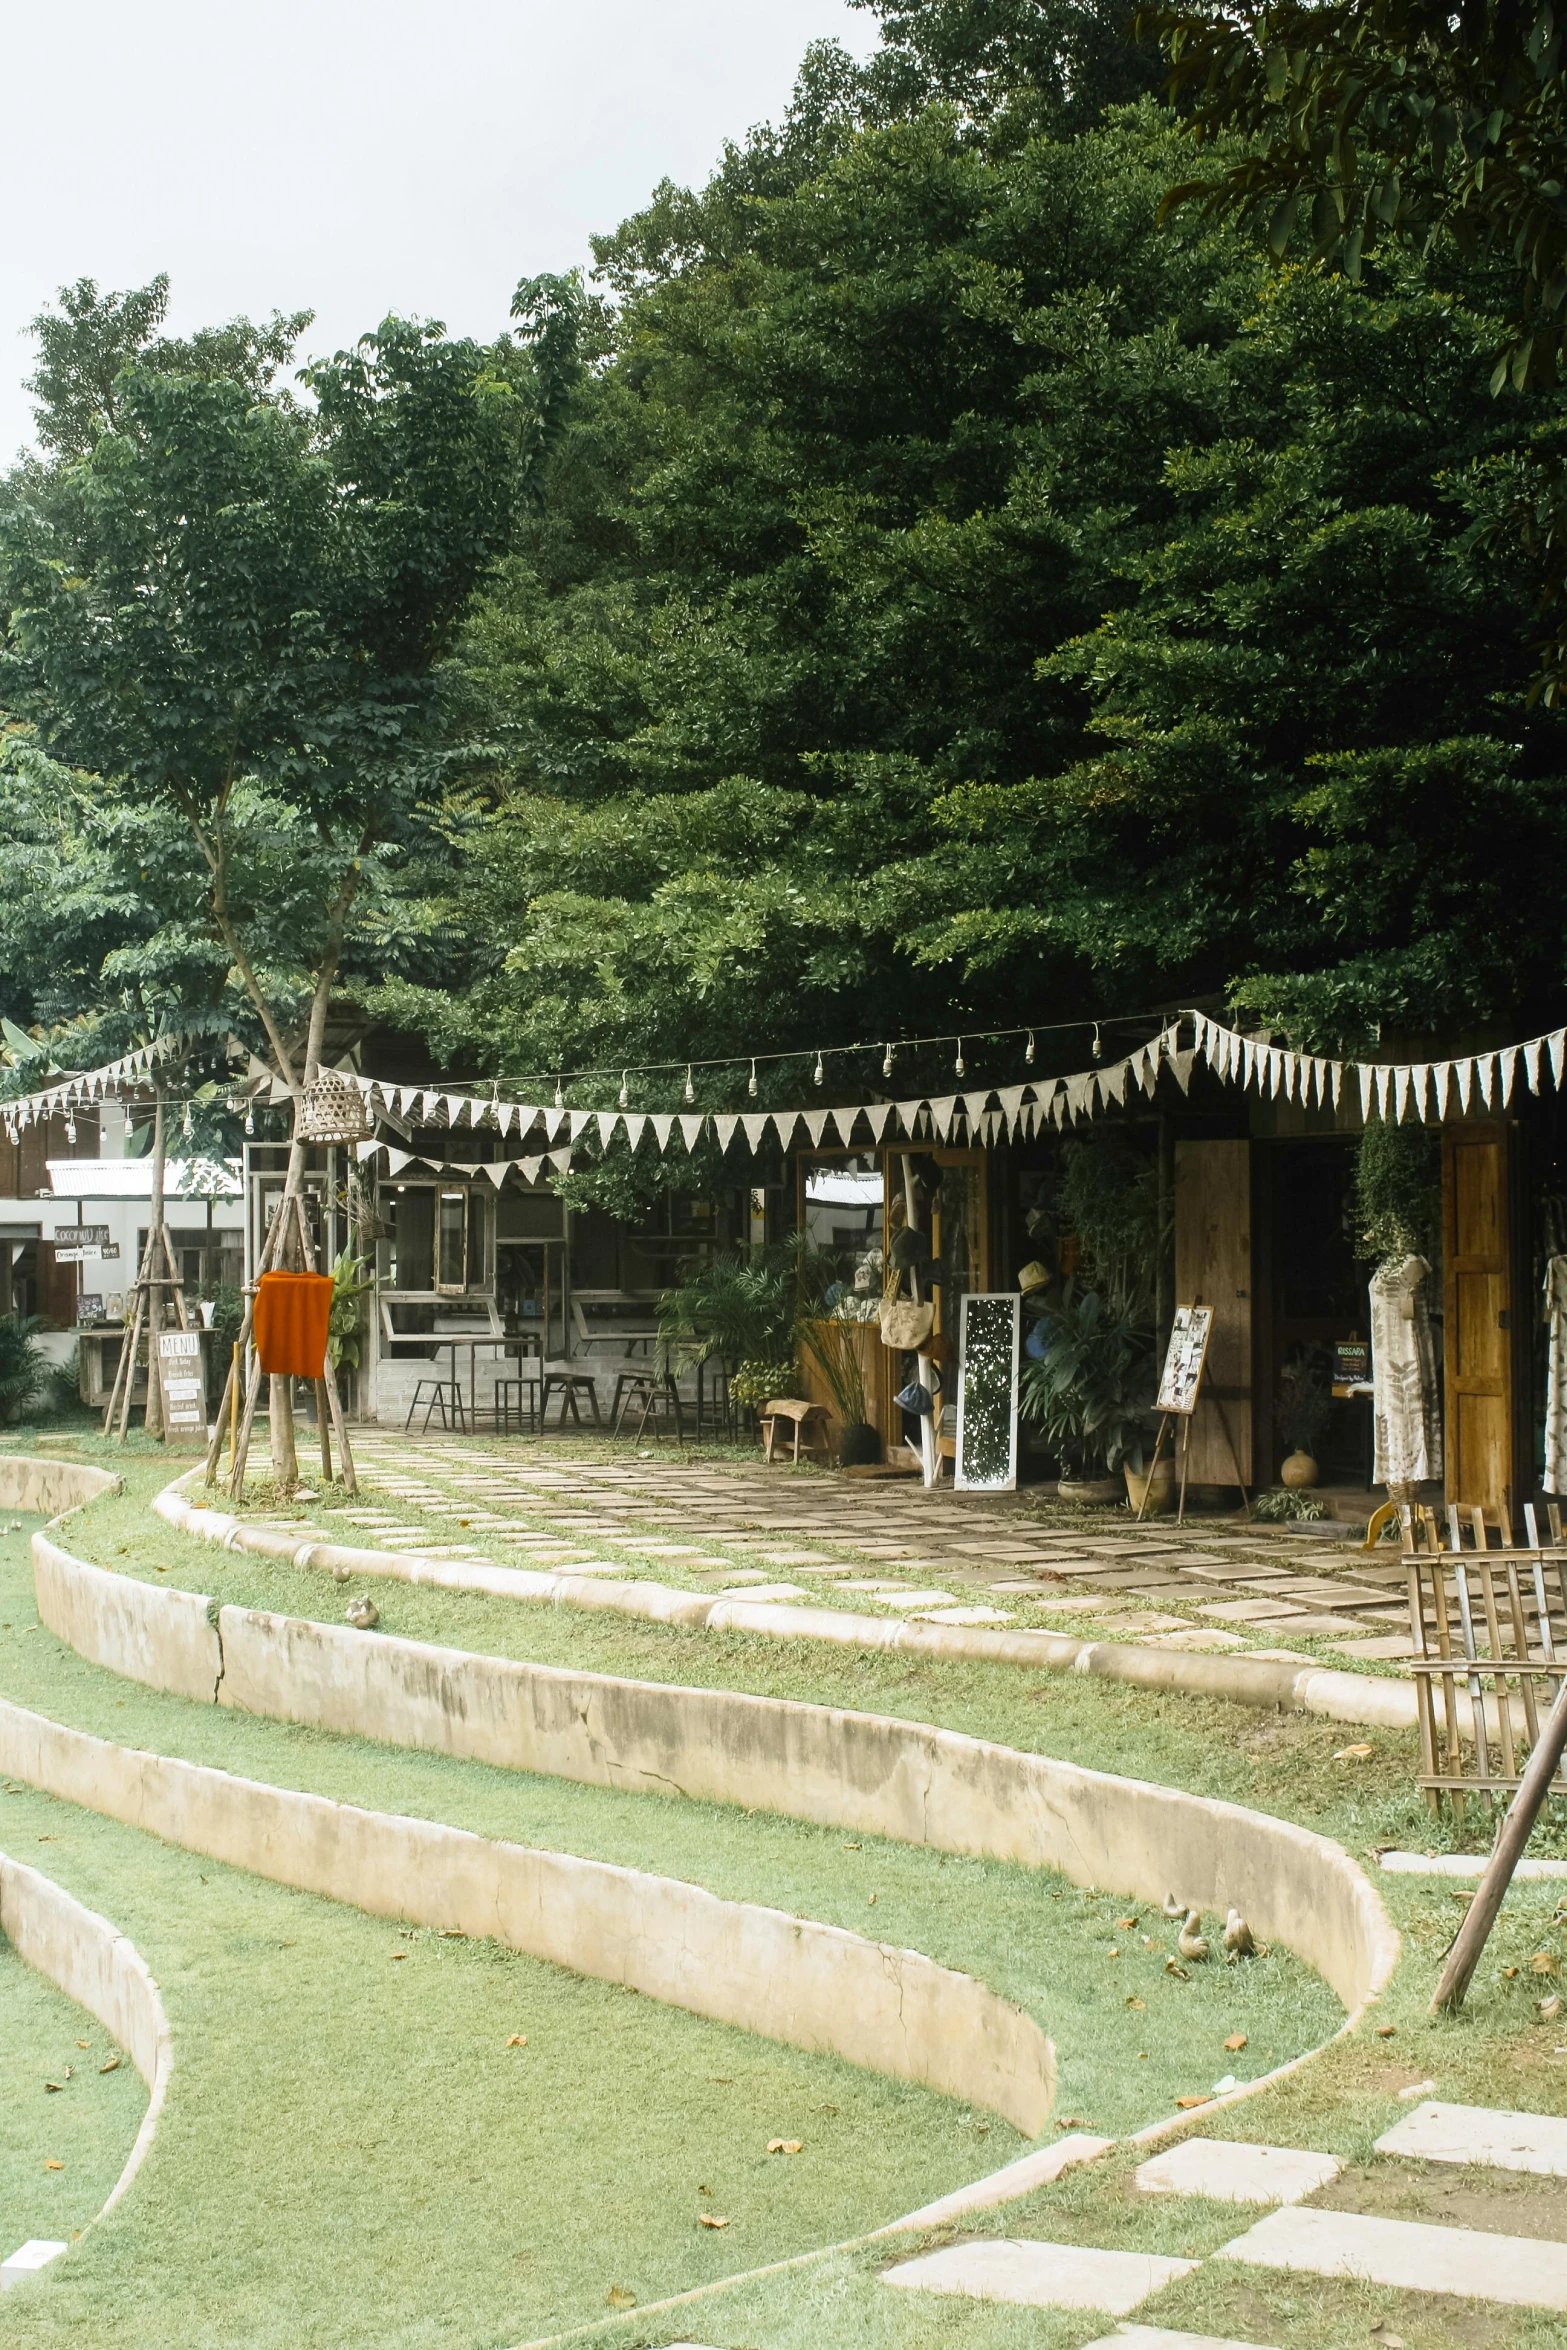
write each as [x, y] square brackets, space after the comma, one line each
[292, 1313]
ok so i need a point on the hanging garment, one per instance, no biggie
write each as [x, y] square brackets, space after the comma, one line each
[1403, 1373]
[292, 1313]
[1556, 1375]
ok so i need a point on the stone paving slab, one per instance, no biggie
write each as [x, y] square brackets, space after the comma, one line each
[1044, 2276]
[28, 2259]
[1408, 2256]
[1227, 2170]
[1481, 2134]
[1153, 2338]
[1247, 1611]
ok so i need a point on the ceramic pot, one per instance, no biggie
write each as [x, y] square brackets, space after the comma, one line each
[1162, 1499]
[1098, 1490]
[1299, 1470]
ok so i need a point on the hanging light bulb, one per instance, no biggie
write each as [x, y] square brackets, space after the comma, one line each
[625, 1092]
[886, 1062]
[690, 1088]
[1028, 1051]
[818, 1072]
[187, 1129]
[560, 1098]
[751, 1088]
[250, 1119]
[957, 1066]
[70, 1129]
[1098, 1047]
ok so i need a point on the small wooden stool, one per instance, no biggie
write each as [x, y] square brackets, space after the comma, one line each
[810, 1425]
[526, 1406]
[433, 1394]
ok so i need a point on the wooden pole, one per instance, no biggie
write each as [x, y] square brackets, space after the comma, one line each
[1516, 1828]
[1158, 1448]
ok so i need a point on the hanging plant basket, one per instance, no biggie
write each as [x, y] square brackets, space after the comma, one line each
[333, 1110]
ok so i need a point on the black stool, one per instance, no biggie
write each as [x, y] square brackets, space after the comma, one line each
[571, 1385]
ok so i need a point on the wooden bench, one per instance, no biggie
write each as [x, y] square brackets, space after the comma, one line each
[810, 1425]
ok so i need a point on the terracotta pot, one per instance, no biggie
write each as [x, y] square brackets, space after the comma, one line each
[1299, 1469]
[1162, 1499]
[1098, 1490]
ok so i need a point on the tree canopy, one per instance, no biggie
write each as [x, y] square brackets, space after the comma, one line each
[925, 585]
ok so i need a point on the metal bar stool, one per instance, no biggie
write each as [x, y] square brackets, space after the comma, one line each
[526, 1407]
[655, 1391]
[432, 1393]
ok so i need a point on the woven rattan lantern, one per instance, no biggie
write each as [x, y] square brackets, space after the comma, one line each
[333, 1110]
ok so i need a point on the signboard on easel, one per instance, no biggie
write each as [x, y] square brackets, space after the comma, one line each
[1180, 1392]
[179, 1372]
[1185, 1359]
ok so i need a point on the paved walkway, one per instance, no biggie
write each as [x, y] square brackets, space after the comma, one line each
[1438, 2264]
[885, 1544]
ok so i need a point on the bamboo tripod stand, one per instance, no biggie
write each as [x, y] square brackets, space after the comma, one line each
[148, 1290]
[289, 1231]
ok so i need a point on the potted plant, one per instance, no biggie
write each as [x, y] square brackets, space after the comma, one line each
[21, 1365]
[1089, 1392]
[1301, 1413]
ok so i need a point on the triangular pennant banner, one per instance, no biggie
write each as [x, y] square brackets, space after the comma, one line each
[497, 1170]
[815, 1123]
[877, 1114]
[1508, 1064]
[581, 1120]
[755, 1130]
[636, 1121]
[530, 1169]
[1531, 1062]
[724, 1128]
[941, 1115]
[909, 1117]
[1558, 1045]
[608, 1120]
[1464, 1071]
[691, 1128]
[662, 1123]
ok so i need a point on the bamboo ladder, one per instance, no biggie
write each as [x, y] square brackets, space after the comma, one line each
[147, 1289]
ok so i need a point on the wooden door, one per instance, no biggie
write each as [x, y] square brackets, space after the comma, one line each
[1213, 1268]
[1477, 1300]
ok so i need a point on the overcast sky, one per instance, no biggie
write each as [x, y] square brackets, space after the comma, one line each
[359, 156]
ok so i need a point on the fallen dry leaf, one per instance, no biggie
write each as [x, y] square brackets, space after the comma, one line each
[51, 2164]
[397, 1954]
[1357, 1753]
[83, 2043]
[1236, 2040]
[1137, 2003]
[784, 2145]
[1071, 2121]
[1543, 1963]
[621, 2297]
[1114, 1953]
[1386, 2031]
[55, 2085]
[1550, 2007]
[1171, 1968]
[518, 2040]
[1123, 1925]
[710, 2219]
[1186, 2103]
[112, 2066]
[1510, 1972]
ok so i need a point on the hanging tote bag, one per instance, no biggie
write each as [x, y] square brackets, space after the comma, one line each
[292, 1314]
[906, 1325]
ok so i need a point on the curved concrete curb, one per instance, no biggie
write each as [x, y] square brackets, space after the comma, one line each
[94, 1964]
[47, 1489]
[1287, 1688]
[816, 1987]
[875, 1773]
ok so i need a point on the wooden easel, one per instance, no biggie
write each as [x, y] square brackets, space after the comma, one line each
[1179, 1401]
[289, 1235]
[148, 1291]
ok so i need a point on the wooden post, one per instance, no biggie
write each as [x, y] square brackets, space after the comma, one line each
[1516, 1828]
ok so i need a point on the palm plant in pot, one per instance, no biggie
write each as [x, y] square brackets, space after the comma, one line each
[1089, 1393]
[1302, 1414]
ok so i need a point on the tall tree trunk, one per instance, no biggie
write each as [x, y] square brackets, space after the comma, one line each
[154, 1415]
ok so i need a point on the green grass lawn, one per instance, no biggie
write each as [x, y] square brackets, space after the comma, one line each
[87, 2123]
[363, 2122]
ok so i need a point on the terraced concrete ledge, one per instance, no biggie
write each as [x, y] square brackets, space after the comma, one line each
[1270, 1685]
